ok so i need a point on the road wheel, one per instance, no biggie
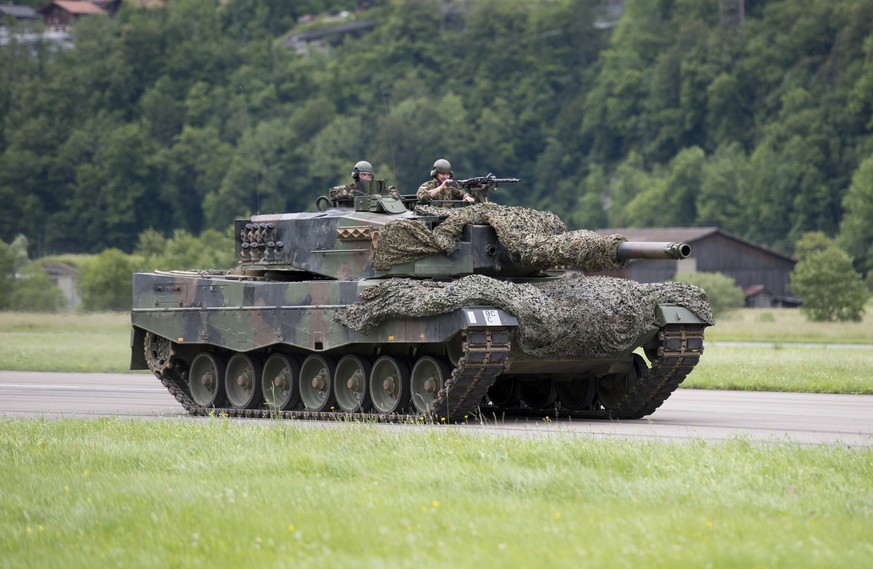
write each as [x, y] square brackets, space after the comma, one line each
[206, 379]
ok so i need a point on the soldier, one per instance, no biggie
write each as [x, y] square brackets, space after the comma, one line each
[440, 186]
[362, 174]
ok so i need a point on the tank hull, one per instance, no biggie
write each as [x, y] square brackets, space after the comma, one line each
[188, 322]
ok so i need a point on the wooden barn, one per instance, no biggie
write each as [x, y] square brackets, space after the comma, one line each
[60, 14]
[761, 272]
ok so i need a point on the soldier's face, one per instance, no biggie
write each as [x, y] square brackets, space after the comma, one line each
[366, 175]
[443, 176]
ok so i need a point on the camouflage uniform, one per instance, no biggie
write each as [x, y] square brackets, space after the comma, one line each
[349, 191]
[450, 193]
[346, 192]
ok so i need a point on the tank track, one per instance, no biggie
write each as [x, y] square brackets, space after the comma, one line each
[484, 355]
[679, 349]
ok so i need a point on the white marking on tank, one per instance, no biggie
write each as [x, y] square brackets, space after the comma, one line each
[492, 317]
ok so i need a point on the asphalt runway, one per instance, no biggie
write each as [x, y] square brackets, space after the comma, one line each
[689, 414]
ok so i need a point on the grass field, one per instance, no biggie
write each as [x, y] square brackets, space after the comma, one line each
[782, 367]
[225, 493]
[101, 343]
[97, 342]
[228, 493]
[787, 326]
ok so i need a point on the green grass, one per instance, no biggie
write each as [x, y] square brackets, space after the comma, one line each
[788, 325]
[781, 367]
[101, 343]
[97, 342]
[221, 493]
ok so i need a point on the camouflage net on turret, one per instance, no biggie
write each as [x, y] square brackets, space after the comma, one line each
[575, 315]
[538, 239]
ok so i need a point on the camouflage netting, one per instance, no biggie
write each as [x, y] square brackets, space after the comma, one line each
[538, 239]
[575, 315]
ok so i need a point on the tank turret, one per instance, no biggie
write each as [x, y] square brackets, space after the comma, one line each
[373, 242]
[382, 308]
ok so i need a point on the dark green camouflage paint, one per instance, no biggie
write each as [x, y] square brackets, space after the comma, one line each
[299, 274]
[244, 316]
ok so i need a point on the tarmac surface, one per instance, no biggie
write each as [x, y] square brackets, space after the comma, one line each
[689, 414]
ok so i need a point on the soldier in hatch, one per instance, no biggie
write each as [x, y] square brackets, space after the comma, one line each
[362, 174]
[440, 187]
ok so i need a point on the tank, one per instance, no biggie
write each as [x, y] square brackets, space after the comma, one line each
[392, 311]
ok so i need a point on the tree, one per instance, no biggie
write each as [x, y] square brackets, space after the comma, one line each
[830, 288]
[856, 229]
[106, 282]
[670, 199]
[724, 179]
[213, 249]
[7, 275]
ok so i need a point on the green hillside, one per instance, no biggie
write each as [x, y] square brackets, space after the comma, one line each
[682, 114]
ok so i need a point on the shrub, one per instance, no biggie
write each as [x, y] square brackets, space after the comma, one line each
[34, 292]
[212, 249]
[7, 275]
[831, 290]
[106, 281]
[826, 282]
[723, 291]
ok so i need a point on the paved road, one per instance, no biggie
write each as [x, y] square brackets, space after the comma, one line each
[688, 415]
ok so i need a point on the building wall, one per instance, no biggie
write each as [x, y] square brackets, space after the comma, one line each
[56, 18]
[748, 265]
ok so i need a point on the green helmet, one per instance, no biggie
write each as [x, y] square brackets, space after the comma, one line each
[441, 165]
[361, 166]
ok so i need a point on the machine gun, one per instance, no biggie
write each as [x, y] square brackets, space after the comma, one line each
[479, 186]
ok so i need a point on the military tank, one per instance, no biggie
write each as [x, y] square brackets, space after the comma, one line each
[383, 309]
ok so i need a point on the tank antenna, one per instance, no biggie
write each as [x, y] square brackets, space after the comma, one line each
[390, 141]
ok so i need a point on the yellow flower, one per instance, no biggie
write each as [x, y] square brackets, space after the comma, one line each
[435, 504]
[291, 528]
[557, 515]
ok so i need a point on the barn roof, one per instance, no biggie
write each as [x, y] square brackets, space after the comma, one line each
[75, 7]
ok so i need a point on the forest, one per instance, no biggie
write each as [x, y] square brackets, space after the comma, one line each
[678, 114]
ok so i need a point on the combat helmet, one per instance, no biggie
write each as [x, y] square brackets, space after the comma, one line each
[441, 165]
[361, 166]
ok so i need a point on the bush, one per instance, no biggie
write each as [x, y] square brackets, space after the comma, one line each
[34, 292]
[7, 275]
[24, 285]
[106, 281]
[212, 249]
[830, 288]
[723, 291]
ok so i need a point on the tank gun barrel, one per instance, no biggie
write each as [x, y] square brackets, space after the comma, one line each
[652, 250]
